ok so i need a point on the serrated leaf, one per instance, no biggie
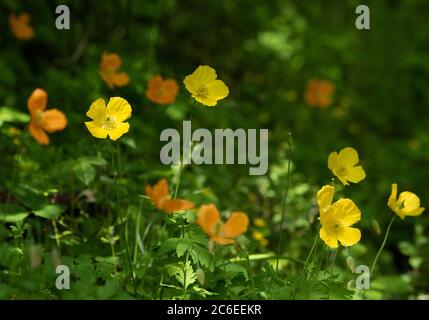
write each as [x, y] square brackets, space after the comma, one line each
[169, 245]
[183, 273]
[182, 246]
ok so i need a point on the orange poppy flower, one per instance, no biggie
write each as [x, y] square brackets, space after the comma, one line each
[319, 93]
[209, 221]
[159, 194]
[19, 24]
[43, 121]
[162, 91]
[110, 63]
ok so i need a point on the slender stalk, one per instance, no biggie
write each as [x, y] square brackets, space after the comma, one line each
[192, 110]
[182, 158]
[305, 265]
[115, 175]
[284, 204]
[57, 237]
[16, 163]
[137, 232]
[185, 286]
[383, 243]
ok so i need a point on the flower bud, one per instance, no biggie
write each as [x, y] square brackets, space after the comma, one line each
[351, 264]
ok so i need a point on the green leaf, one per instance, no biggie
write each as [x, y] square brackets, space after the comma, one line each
[182, 246]
[11, 115]
[169, 245]
[12, 213]
[29, 197]
[51, 211]
[183, 273]
[95, 161]
[85, 172]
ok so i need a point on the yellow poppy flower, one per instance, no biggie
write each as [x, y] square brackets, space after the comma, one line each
[205, 87]
[324, 198]
[343, 165]
[336, 224]
[109, 121]
[408, 203]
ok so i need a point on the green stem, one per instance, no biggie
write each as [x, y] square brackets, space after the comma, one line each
[137, 234]
[383, 243]
[185, 287]
[249, 268]
[16, 163]
[305, 265]
[284, 204]
[115, 176]
[57, 237]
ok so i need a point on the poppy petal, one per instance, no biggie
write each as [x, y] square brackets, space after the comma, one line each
[349, 236]
[37, 101]
[119, 108]
[236, 225]
[348, 157]
[330, 240]
[174, 205]
[54, 120]
[95, 130]
[97, 111]
[38, 133]
[120, 79]
[208, 218]
[120, 130]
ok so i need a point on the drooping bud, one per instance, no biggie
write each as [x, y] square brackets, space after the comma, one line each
[351, 264]
[200, 275]
[375, 226]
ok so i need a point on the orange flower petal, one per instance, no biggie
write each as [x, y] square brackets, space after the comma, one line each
[54, 120]
[222, 240]
[120, 79]
[110, 62]
[37, 101]
[174, 205]
[159, 193]
[19, 26]
[38, 133]
[208, 218]
[107, 79]
[236, 225]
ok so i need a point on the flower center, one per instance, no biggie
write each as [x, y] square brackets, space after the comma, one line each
[202, 92]
[160, 93]
[39, 118]
[342, 171]
[109, 123]
[336, 227]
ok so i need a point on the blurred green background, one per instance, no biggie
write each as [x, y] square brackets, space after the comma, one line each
[266, 52]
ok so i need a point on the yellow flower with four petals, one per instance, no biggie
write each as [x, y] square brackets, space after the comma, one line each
[109, 121]
[343, 165]
[337, 219]
[205, 87]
